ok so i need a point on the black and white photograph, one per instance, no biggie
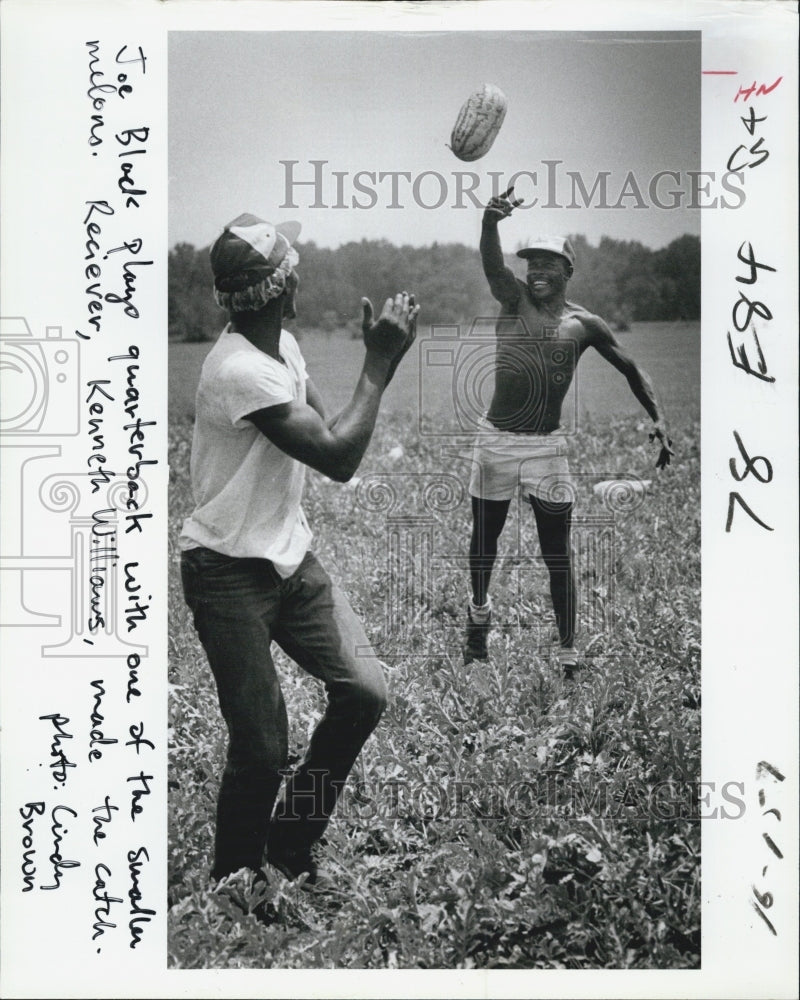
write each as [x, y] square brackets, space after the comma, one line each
[399, 499]
[451, 623]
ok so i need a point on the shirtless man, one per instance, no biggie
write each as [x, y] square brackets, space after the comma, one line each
[540, 339]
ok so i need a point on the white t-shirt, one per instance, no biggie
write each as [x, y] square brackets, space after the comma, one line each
[247, 491]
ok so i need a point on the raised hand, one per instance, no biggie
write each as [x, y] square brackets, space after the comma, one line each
[409, 340]
[501, 206]
[395, 330]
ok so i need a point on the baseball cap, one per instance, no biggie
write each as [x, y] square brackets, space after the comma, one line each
[555, 244]
[249, 247]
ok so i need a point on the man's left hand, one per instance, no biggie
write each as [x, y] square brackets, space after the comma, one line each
[398, 320]
[412, 334]
[660, 432]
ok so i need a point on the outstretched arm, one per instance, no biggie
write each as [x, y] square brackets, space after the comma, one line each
[607, 345]
[314, 399]
[313, 395]
[336, 449]
[502, 281]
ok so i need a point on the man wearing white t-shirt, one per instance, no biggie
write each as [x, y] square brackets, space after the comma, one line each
[249, 576]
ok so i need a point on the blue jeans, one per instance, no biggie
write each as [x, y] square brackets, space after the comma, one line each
[239, 607]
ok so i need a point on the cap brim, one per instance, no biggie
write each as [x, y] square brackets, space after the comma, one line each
[289, 230]
[530, 251]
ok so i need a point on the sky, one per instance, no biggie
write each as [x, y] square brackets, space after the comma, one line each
[242, 102]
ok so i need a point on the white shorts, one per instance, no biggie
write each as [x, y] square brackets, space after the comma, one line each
[504, 462]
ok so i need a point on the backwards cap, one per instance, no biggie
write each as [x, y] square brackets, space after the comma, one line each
[249, 244]
[554, 244]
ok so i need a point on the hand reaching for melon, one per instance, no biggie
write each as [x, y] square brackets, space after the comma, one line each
[501, 206]
[394, 332]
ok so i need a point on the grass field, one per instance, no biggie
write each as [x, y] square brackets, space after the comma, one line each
[669, 352]
[500, 817]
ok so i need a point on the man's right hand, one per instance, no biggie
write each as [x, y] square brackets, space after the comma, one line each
[391, 336]
[500, 207]
[659, 432]
[335, 449]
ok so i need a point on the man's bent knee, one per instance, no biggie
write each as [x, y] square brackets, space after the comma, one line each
[373, 693]
[365, 693]
[256, 750]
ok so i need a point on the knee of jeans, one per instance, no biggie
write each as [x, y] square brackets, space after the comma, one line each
[257, 753]
[369, 694]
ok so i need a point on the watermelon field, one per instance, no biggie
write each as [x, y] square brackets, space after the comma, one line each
[501, 817]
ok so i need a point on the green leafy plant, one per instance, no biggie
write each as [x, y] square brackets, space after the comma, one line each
[499, 817]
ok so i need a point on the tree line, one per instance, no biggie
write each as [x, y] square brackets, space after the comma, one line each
[622, 281]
